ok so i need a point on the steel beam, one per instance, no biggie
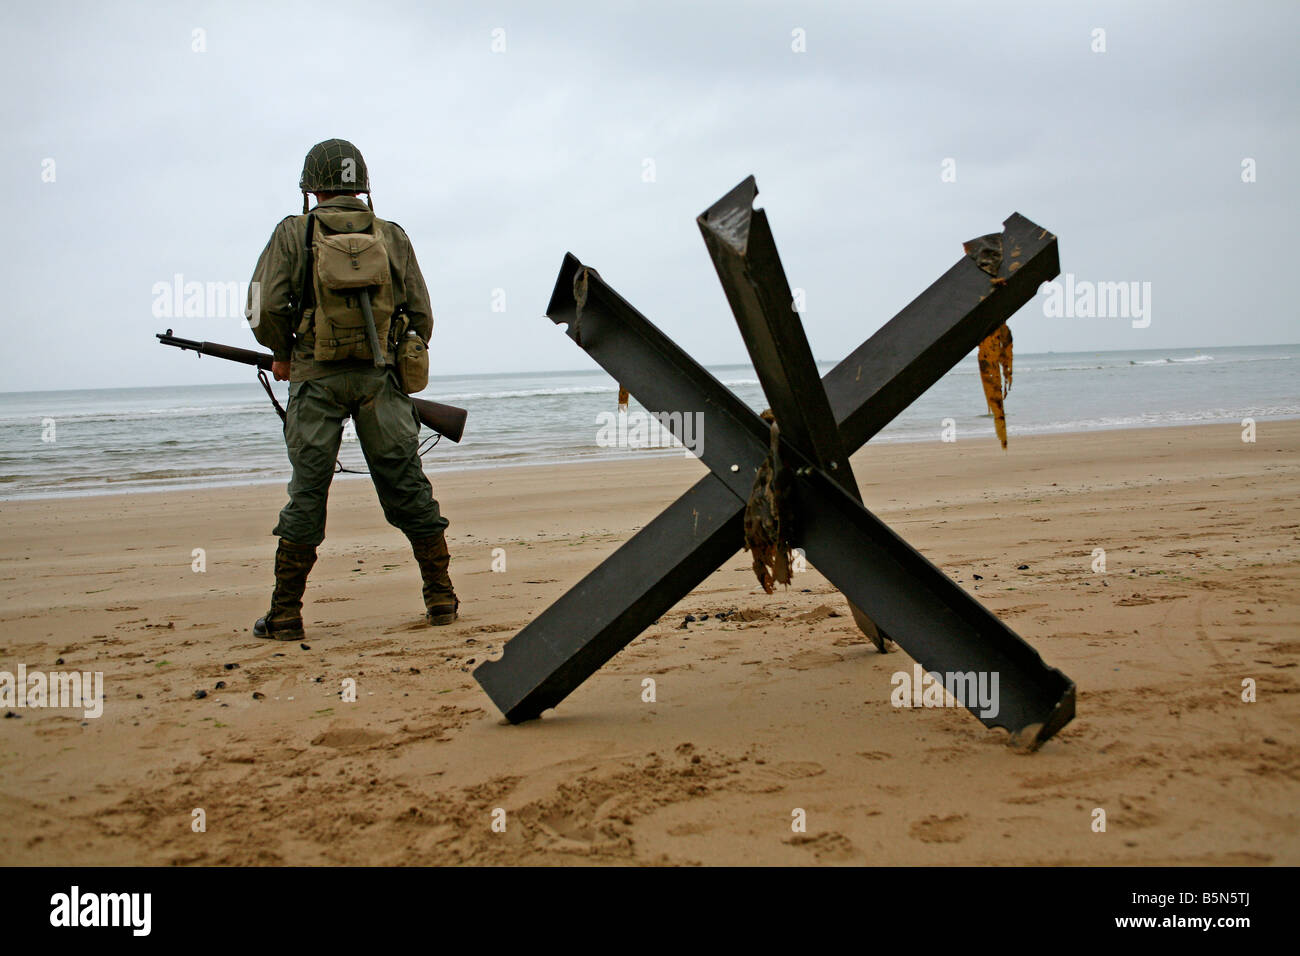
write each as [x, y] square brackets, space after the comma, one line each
[607, 609]
[936, 330]
[942, 627]
[745, 257]
[930, 617]
[744, 254]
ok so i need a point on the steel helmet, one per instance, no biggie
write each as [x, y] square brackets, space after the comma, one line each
[334, 166]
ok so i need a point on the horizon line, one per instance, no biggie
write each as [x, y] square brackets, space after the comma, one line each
[568, 371]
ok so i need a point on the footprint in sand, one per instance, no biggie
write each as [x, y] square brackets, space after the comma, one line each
[949, 829]
[827, 845]
[794, 769]
[348, 737]
[689, 829]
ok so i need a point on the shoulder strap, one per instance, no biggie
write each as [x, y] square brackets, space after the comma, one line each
[306, 293]
[392, 266]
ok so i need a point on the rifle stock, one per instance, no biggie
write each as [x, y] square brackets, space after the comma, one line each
[446, 420]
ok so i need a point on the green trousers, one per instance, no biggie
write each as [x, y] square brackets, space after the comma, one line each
[388, 432]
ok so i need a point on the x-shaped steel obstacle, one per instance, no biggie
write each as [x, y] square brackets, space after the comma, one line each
[821, 421]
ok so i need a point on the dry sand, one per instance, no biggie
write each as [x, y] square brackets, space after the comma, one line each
[753, 719]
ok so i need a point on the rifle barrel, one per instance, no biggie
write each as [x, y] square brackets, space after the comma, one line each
[446, 420]
[262, 360]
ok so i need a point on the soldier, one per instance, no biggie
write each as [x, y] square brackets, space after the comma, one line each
[318, 323]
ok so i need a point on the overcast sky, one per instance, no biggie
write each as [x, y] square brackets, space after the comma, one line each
[146, 140]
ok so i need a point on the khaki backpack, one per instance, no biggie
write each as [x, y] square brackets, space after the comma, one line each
[340, 266]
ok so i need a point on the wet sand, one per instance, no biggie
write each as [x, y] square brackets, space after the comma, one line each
[781, 708]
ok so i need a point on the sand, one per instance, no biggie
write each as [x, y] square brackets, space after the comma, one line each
[753, 720]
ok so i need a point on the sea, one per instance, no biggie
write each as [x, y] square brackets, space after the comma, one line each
[107, 441]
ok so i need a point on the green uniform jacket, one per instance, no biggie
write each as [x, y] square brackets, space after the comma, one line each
[278, 279]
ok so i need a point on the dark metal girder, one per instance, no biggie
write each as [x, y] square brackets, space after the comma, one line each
[932, 618]
[744, 254]
[936, 330]
[939, 625]
[663, 378]
[607, 609]
[565, 644]
[662, 563]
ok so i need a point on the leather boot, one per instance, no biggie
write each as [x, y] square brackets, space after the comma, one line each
[293, 562]
[440, 599]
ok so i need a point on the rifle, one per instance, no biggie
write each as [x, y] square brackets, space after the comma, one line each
[446, 420]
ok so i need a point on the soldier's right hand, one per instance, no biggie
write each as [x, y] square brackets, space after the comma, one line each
[280, 370]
